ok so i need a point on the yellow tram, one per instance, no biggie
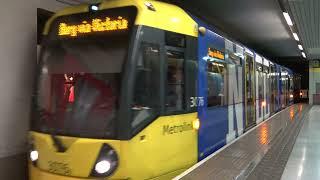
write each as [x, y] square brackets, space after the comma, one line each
[102, 108]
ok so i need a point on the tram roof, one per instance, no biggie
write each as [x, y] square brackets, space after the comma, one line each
[166, 16]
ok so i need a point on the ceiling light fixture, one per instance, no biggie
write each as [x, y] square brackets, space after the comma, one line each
[288, 19]
[295, 35]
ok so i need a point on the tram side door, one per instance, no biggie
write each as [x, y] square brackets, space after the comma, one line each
[249, 91]
[266, 89]
[272, 89]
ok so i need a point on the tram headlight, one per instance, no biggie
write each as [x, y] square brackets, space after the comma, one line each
[94, 8]
[34, 155]
[196, 124]
[102, 166]
[106, 163]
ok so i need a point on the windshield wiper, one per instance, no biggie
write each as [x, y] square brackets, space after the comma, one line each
[56, 141]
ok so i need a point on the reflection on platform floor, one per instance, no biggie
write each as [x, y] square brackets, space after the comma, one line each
[304, 161]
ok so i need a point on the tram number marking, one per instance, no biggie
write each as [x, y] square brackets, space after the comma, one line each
[196, 101]
[59, 168]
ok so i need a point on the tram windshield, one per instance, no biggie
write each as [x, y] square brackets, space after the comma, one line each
[81, 71]
[79, 86]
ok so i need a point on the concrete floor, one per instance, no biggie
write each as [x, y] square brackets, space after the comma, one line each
[14, 167]
[304, 160]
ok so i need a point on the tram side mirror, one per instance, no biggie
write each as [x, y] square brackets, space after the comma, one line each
[202, 30]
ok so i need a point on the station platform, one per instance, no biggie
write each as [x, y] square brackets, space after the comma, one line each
[304, 161]
[263, 151]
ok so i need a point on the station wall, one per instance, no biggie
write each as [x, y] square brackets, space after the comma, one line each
[314, 82]
[18, 55]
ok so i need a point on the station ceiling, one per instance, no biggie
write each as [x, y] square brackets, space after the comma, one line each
[258, 24]
[306, 15]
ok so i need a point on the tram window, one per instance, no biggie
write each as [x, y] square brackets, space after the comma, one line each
[260, 86]
[291, 84]
[216, 73]
[266, 69]
[146, 95]
[259, 68]
[234, 59]
[175, 81]
[175, 39]
[273, 86]
[284, 82]
[249, 77]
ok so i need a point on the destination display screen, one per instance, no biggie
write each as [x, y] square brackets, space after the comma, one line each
[93, 25]
[214, 53]
[98, 23]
